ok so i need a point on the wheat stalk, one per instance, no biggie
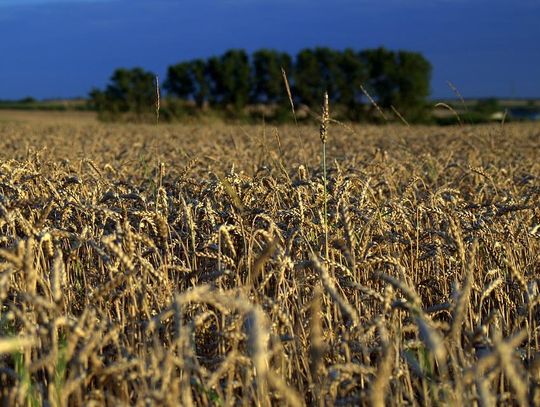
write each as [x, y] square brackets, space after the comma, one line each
[323, 133]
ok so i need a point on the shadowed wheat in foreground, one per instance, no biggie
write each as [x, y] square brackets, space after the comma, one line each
[205, 280]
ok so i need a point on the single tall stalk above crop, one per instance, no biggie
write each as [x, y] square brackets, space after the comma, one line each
[325, 120]
[158, 100]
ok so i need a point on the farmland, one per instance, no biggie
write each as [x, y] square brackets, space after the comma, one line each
[186, 265]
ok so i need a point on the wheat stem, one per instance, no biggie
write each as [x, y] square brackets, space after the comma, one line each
[325, 119]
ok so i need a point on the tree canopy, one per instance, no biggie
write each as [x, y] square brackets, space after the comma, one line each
[267, 76]
[394, 79]
[129, 90]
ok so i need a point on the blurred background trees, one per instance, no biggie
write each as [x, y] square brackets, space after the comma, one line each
[398, 79]
[236, 81]
[268, 86]
[130, 91]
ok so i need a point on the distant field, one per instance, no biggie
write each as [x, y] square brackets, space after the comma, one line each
[468, 111]
[42, 116]
[505, 103]
[185, 265]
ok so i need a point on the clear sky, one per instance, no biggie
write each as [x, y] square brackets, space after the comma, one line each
[53, 48]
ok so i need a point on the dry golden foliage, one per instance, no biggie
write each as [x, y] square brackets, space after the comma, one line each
[212, 282]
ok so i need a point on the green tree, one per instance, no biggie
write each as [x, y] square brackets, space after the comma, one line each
[353, 74]
[212, 70]
[267, 77]
[331, 74]
[129, 90]
[412, 77]
[200, 77]
[189, 80]
[230, 78]
[180, 81]
[399, 79]
[316, 71]
[382, 69]
[98, 100]
[306, 77]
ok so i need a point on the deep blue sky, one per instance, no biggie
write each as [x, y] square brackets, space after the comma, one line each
[64, 48]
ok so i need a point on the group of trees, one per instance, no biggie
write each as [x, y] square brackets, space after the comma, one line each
[129, 91]
[234, 80]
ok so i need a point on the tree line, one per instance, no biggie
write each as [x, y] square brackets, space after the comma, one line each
[234, 81]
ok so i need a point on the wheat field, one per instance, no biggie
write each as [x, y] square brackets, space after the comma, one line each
[186, 265]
